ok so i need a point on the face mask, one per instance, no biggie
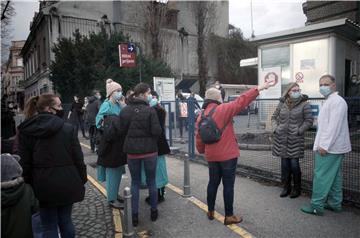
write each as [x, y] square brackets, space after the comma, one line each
[98, 97]
[149, 97]
[117, 96]
[217, 86]
[295, 95]
[325, 90]
[353, 81]
[59, 113]
[153, 102]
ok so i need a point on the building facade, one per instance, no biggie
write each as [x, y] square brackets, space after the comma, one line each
[60, 19]
[13, 75]
[322, 11]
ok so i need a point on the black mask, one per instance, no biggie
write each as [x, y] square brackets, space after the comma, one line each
[59, 113]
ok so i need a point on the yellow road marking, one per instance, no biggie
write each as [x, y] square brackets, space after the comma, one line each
[238, 230]
[85, 145]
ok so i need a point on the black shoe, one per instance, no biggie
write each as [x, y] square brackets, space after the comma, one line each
[295, 193]
[135, 219]
[285, 192]
[116, 204]
[154, 215]
[161, 199]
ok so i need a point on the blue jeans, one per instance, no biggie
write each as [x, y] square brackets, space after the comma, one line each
[54, 217]
[150, 171]
[226, 171]
[290, 167]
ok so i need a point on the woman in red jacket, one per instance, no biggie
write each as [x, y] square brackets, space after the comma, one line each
[222, 155]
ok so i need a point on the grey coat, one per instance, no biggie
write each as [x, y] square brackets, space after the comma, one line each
[289, 124]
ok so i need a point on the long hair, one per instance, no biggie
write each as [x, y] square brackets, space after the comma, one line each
[38, 104]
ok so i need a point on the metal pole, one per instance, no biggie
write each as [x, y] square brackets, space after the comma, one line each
[128, 226]
[139, 55]
[187, 188]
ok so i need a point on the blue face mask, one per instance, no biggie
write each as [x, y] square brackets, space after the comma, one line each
[153, 102]
[325, 90]
[149, 97]
[295, 95]
[117, 96]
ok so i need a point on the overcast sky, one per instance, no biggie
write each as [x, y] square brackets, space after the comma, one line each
[268, 16]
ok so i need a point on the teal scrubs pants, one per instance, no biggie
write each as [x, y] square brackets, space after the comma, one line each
[327, 182]
[112, 176]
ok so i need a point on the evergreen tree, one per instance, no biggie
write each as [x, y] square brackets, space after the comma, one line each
[83, 63]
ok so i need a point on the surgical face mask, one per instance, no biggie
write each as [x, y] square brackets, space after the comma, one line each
[217, 86]
[325, 90]
[117, 96]
[98, 97]
[353, 80]
[295, 95]
[59, 113]
[153, 102]
[149, 97]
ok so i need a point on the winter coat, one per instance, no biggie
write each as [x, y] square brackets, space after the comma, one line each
[18, 203]
[227, 147]
[110, 149]
[140, 123]
[92, 110]
[289, 123]
[52, 160]
[76, 112]
[163, 146]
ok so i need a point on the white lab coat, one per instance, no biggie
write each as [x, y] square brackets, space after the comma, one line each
[333, 131]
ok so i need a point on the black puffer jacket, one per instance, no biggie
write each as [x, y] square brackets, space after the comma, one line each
[290, 121]
[163, 146]
[140, 123]
[52, 160]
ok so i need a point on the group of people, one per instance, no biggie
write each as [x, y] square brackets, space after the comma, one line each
[49, 174]
[291, 119]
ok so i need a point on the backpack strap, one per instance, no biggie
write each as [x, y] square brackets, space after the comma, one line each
[210, 115]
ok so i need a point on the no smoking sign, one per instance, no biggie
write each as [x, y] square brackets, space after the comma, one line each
[299, 77]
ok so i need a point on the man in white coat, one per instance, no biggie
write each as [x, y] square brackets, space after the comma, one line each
[332, 141]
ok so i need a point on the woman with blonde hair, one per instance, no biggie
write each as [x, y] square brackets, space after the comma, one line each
[111, 161]
[290, 120]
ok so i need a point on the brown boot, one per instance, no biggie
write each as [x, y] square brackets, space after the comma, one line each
[232, 220]
[210, 215]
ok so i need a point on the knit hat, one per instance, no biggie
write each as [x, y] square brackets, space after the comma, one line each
[10, 168]
[213, 94]
[111, 87]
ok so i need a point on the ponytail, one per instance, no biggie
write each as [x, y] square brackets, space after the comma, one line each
[30, 107]
[38, 104]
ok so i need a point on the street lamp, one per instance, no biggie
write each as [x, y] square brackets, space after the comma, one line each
[187, 191]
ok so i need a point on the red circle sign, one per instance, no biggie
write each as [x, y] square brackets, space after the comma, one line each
[299, 77]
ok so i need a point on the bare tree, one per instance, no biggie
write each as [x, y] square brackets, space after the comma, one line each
[205, 15]
[7, 12]
[155, 12]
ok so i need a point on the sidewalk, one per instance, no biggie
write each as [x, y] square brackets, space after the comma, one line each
[93, 217]
[264, 213]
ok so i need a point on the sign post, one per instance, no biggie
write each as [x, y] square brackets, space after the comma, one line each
[127, 55]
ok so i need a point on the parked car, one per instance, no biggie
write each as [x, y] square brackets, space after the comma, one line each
[252, 108]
